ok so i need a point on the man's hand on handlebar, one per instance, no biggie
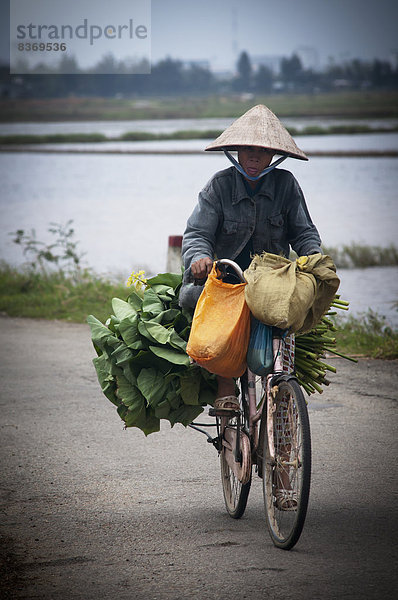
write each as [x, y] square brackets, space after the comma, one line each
[201, 268]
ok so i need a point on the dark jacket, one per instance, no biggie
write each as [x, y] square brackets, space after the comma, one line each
[226, 217]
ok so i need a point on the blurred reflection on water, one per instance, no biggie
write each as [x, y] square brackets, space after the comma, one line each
[125, 207]
[367, 142]
[117, 128]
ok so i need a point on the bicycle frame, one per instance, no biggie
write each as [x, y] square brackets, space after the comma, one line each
[239, 442]
[258, 417]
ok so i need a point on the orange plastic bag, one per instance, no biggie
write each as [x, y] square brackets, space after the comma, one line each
[220, 330]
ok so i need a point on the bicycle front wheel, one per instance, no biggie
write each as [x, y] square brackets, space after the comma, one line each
[235, 492]
[287, 465]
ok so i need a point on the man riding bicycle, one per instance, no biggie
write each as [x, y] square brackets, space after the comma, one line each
[246, 209]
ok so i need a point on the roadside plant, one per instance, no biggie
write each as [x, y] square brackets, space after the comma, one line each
[62, 253]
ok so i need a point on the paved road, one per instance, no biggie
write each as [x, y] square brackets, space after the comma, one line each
[92, 511]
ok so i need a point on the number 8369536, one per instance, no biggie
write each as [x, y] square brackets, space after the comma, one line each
[41, 47]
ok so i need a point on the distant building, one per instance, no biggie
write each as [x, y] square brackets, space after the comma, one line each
[271, 61]
[223, 74]
[202, 63]
[393, 59]
[309, 57]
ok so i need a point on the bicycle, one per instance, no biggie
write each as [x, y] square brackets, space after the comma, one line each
[272, 433]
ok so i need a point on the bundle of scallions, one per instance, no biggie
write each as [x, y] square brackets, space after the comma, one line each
[313, 346]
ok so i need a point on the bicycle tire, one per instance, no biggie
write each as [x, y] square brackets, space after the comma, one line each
[287, 477]
[235, 493]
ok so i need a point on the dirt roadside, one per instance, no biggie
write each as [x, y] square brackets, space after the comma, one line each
[90, 510]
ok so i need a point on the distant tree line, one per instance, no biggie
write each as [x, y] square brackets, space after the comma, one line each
[174, 77]
[292, 76]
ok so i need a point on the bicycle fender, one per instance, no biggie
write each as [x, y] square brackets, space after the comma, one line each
[278, 377]
[276, 380]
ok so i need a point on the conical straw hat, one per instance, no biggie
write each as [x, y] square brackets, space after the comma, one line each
[258, 127]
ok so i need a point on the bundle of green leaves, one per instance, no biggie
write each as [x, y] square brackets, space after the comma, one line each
[313, 346]
[142, 365]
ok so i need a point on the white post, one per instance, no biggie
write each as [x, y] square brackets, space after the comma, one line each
[174, 261]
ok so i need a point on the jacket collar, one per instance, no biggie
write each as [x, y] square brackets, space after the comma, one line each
[239, 189]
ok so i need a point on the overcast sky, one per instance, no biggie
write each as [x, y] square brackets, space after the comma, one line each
[339, 28]
[216, 30]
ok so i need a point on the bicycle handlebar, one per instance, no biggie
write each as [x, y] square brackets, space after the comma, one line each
[224, 262]
[233, 265]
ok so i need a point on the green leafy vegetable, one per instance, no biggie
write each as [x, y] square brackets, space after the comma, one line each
[172, 356]
[142, 365]
[122, 309]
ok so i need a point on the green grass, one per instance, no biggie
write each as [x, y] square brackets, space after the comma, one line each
[72, 298]
[367, 336]
[371, 104]
[188, 134]
[56, 296]
[52, 138]
[184, 134]
[361, 255]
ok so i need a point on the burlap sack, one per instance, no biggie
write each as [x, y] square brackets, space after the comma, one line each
[289, 294]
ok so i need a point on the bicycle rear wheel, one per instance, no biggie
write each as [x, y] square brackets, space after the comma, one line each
[287, 475]
[235, 492]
